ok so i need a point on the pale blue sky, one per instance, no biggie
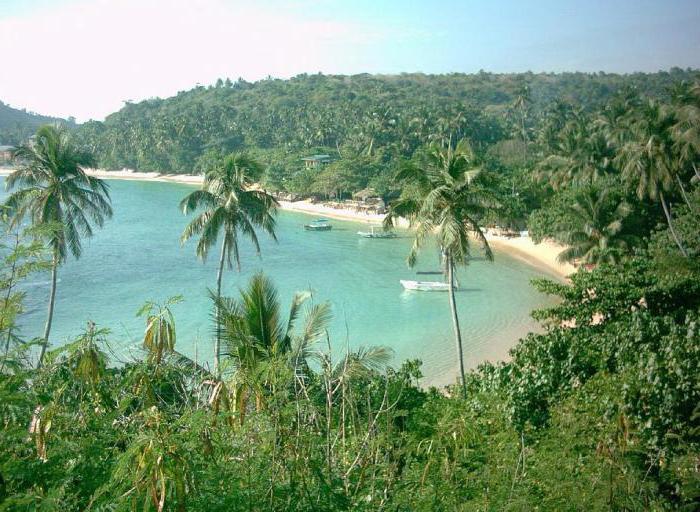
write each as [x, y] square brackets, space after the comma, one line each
[106, 51]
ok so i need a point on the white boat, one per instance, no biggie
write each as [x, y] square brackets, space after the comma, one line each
[376, 234]
[318, 225]
[425, 286]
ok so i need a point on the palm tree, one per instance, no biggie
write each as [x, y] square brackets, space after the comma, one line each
[231, 206]
[582, 154]
[596, 233]
[54, 190]
[521, 104]
[649, 160]
[257, 339]
[686, 131]
[442, 198]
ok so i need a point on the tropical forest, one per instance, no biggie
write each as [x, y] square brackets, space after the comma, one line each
[240, 356]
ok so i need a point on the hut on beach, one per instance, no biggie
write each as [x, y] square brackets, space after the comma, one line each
[369, 197]
[365, 194]
[6, 154]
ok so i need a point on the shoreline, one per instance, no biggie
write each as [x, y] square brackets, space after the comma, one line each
[542, 256]
[539, 256]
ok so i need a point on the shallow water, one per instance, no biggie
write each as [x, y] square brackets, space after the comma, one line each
[138, 257]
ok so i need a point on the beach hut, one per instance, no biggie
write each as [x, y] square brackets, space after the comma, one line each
[6, 154]
[364, 194]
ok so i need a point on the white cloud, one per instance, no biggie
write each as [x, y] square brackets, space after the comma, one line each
[86, 57]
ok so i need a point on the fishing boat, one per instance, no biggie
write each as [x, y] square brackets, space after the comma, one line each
[376, 234]
[318, 225]
[425, 286]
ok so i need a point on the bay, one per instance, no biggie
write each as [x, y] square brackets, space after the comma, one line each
[137, 256]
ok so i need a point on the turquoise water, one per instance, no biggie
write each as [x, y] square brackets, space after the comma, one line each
[138, 257]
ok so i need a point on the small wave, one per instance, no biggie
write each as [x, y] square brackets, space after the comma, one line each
[36, 284]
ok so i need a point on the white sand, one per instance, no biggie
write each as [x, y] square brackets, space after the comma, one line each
[542, 255]
[128, 174]
[322, 210]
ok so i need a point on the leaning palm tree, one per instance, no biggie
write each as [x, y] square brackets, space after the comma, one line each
[54, 190]
[441, 198]
[257, 339]
[595, 234]
[649, 159]
[231, 206]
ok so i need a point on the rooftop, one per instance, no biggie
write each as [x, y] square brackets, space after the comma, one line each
[6, 148]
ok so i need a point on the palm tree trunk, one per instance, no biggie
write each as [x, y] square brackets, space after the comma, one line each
[52, 302]
[217, 343]
[10, 286]
[337, 147]
[455, 322]
[667, 212]
[683, 193]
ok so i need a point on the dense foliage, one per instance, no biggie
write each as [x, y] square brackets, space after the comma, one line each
[598, 410]
[373, 118]
[600, 414]
[537, 137]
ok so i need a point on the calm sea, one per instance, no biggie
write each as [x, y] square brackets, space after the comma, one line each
[138, 257]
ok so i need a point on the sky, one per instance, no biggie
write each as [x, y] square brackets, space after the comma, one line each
[84, 58]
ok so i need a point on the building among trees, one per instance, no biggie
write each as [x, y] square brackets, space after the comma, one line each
[6, 154]
[316, 161]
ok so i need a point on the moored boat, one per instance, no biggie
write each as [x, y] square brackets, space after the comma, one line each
[376, 234]
[318, 225]
[425, 286]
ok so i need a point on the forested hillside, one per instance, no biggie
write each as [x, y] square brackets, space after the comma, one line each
[371, 117]
[17, 125]
[598, 410]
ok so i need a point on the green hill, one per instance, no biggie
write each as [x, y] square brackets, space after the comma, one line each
[374, 115]
[16, 125]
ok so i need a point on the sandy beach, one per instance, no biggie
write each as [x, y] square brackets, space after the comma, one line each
[128, 174]
[322, 210]
[542, 255]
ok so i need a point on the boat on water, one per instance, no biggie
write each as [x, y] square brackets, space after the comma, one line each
[379, 233]
[425, 286]
[318, 225]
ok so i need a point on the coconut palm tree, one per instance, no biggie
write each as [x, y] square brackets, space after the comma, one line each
[52, 189]
[648, 158]
[686, 131]
[231, 206]
[441, 198]
[521, 104]
[596, 232]
[582, 154]
[257, 339]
